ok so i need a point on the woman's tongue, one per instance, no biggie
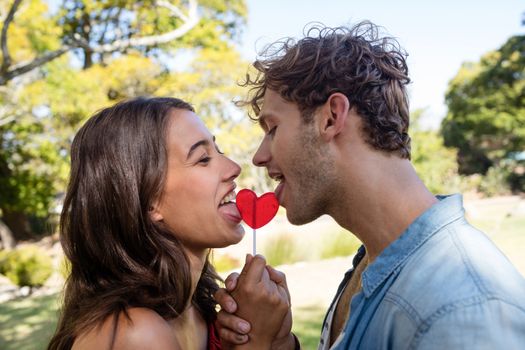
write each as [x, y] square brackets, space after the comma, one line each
[279, 191]
[230, 211]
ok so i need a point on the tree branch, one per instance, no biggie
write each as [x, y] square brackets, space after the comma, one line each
[173, 9]
[8, 72]
[6, 119]
[6, 57]
[189, 22]
[24, 67]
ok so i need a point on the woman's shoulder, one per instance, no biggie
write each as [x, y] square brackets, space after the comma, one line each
[142, 328]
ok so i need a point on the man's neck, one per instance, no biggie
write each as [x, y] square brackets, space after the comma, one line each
[381, 199]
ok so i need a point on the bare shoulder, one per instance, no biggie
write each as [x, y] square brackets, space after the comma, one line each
[144, 329]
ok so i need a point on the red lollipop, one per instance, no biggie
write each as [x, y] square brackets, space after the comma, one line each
[256, 211]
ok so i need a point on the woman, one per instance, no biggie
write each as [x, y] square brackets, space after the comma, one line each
[149, 195]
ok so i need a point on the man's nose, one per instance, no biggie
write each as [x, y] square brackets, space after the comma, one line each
[263, 155]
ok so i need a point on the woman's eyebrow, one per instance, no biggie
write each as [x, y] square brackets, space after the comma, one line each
[197, 145]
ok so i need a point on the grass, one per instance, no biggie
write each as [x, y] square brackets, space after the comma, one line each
[224, 262]
[308, 321]
[281, 249]
[28, 324]
[508, 234]
[340, 244]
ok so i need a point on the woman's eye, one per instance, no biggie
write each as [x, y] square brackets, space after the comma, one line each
[205, 160]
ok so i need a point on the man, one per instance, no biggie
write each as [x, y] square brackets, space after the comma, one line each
[335, 113]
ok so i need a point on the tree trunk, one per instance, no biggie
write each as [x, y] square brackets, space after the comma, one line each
[6, 237]
[88, 59]
[19, 225]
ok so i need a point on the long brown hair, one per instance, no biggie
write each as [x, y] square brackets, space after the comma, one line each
[120, 257]
[369, 69]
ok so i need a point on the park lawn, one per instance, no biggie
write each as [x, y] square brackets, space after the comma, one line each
[307, 323]
[29, 323]
[508, 234]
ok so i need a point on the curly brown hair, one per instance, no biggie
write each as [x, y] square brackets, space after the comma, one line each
[370, 70]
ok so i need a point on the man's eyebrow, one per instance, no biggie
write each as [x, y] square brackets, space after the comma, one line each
[262, 120]
[197, 145]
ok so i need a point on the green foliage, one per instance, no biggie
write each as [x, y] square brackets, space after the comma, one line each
[104, 22]
[503, 179]
[516, 177]
[41, 113]
[495, 182]
[34, 30]
[33, 166]
[281, 249]
[26, 266]
[435, 164]
[340, 243]
[486, 108]
[64, 268]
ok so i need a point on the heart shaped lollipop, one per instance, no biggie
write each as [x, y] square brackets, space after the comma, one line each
[256, 211]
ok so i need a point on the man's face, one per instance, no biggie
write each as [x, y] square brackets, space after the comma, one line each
[294, 155]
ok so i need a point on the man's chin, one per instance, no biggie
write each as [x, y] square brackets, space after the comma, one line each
[299, 217]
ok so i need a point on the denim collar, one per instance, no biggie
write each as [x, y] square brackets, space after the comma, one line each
[447, 210]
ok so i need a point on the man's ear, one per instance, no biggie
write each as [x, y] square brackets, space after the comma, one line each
[335, 115]
[154, 212]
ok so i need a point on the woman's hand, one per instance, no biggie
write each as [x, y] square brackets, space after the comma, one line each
[261, 297]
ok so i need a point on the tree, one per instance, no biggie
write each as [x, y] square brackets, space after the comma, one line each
[435, 164]
[97, 27]
[486, 108]
[60, 67]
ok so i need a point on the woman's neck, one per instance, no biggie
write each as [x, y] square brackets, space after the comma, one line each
[191, 331]
[197, 261]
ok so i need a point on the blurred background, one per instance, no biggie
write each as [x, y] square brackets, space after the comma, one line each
[62, 60]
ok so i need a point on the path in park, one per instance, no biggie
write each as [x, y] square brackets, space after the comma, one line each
[315, 283]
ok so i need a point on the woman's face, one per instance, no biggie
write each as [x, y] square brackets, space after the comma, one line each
[197, 202]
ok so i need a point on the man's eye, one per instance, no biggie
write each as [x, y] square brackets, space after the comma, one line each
[272, 131]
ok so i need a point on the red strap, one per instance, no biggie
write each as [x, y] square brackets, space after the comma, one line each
[214, 341]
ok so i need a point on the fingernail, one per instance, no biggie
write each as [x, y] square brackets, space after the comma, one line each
[230, 305]
[244, 327]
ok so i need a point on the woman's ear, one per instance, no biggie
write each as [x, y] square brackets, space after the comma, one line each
[154, 213]
[335, 115]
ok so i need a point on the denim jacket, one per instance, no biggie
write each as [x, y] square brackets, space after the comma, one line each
[441, 285]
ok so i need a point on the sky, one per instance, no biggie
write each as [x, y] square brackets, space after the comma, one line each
[438, 35]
